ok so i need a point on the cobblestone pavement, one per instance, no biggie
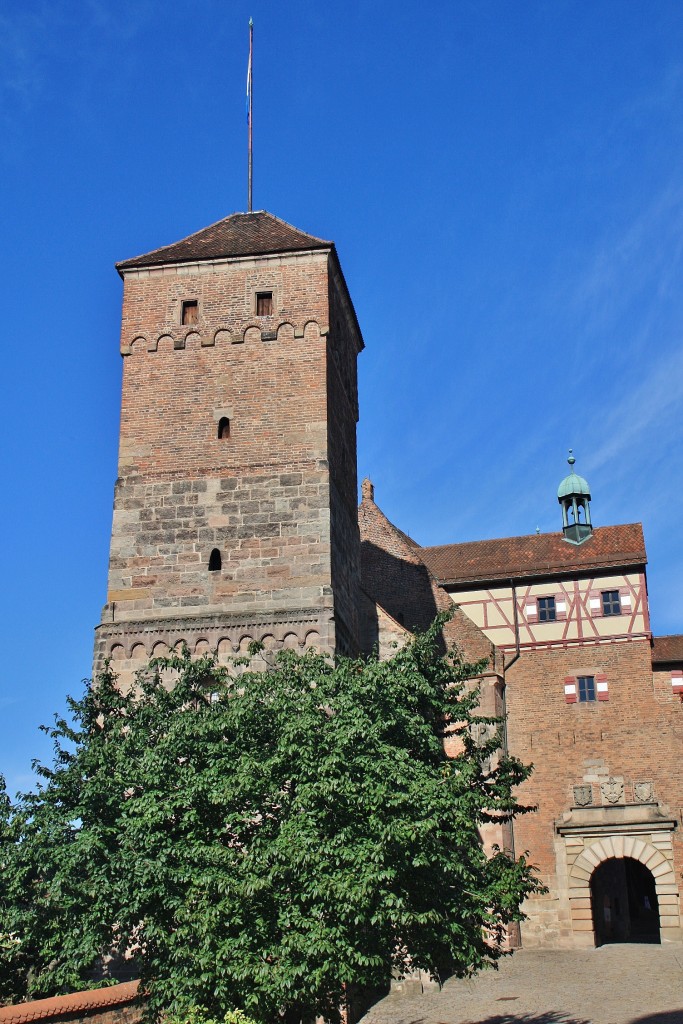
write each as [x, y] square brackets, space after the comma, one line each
[615, 984]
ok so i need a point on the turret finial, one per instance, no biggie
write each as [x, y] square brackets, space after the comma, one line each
[571, 460]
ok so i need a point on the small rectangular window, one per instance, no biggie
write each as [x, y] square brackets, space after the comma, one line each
[611, 603]
[264, 303]
[546, 609]
[190, 312]
[586, 688]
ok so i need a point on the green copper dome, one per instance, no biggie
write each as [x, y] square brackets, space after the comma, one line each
[573, 484]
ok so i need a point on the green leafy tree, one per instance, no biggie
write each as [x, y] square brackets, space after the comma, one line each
[266, 841]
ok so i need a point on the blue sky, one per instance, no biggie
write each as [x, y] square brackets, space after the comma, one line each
[504, 184]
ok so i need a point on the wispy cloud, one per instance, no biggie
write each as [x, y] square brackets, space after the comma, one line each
[22, 58]
[640, 255]
[650, 404]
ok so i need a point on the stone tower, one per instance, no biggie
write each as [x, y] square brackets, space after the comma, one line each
[235, 504]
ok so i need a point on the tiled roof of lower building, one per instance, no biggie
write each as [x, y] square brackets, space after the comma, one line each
[240, 234]
[76, 1002]
[543, 554]
[667, 649]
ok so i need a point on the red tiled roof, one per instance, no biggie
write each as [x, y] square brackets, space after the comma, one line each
[240, 234]
[76, 1002]
[543, 554]
[667, 649]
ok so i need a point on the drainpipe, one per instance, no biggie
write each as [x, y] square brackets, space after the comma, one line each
[510, 663]
[514, 931]
[515, 613]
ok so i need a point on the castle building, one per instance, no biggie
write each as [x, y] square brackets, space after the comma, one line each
[596, 704]
[235, 519]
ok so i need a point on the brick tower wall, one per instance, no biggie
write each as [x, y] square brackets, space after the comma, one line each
[342, 412]
[262, 496]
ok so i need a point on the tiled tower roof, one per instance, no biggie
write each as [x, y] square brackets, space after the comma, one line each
[240, 234]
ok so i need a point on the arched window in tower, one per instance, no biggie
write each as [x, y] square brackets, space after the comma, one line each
[223, 428]
[215, 561]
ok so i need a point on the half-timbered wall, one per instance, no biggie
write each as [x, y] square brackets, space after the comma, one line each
[578, 610]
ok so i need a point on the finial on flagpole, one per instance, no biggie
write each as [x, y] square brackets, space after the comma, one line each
[249, 115]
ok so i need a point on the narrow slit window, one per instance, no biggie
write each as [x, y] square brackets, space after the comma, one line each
[215, 560]
[264, 303]
[223, 428]
[190, 313]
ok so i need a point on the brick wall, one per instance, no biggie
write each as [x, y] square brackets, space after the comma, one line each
[395, 576]
[342, 411]
[633, 737]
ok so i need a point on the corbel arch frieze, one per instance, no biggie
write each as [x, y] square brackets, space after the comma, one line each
[143, 642]
[168, 340]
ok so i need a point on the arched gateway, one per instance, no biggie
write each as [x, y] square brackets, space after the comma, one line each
[623, 889]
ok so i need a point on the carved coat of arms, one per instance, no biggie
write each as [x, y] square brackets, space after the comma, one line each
[643, 792]
[613, 791]
[583, 796]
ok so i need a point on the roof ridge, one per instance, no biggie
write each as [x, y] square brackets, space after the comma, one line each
[520, 536]
[280, 220]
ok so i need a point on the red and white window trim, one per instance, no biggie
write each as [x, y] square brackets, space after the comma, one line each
[598, 687]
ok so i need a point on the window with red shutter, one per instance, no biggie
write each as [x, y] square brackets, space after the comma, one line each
[601, 686]
[570, 689]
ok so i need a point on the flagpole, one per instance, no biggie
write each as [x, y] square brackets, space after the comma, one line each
[249, 112]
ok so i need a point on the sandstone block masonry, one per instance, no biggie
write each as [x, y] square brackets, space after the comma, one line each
[235, 503]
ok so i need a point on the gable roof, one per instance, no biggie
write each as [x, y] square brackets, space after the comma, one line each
[667, 649]
[543, 554]
[240, 234]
